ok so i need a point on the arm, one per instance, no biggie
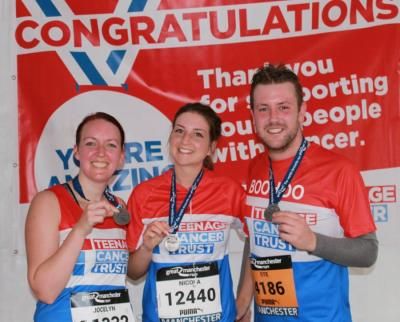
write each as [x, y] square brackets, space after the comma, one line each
[49, 264]
[140, 259]
[245, 287]
[360, 251]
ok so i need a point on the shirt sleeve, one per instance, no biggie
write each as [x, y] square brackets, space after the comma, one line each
[353, 203]
[239, 208]
[135, 226]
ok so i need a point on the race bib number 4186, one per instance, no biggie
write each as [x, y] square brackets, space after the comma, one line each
[274, 288]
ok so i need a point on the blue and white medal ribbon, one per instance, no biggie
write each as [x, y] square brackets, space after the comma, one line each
[275, 195]
[121, 218]
[171, 242]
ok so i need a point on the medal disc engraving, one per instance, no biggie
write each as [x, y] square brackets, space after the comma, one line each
[171, 243]
[272, 208]
[122, 217]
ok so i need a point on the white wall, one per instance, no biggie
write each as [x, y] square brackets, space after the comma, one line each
[16, 302]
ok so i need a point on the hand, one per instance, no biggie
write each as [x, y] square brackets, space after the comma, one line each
[154, 234]
[294, 230]
[245, 292]
[243, 312]
[95, 213]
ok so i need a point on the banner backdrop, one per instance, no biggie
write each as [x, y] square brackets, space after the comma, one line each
[141, 60]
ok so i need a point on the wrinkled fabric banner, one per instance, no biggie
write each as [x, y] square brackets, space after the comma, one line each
[141, 60]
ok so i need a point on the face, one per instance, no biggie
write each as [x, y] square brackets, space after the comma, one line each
[99, 150]
[189, 142]
[278, 119]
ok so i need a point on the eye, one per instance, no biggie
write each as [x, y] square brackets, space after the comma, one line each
[284, 107]
[262, 108]
[198, 134]
[178, 130]
[90, 143]
[112, 145]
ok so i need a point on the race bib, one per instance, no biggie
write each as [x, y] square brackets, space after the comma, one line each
[189, 291]
[101, 306]
[274, 288]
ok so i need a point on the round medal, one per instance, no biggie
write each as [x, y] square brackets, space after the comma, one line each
[171, 243]
[272, 208]
[122, 217]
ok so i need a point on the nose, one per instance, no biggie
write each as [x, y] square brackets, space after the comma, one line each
[273, 114]
[101, 149]
[186, 137]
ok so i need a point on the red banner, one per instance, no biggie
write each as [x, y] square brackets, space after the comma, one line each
[141, 60]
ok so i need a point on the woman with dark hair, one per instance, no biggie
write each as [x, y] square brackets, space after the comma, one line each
[181, 225]
[76, 252]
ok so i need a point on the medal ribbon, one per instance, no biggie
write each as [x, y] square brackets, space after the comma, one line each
[107, 193]
[276, 195]
[175, 218]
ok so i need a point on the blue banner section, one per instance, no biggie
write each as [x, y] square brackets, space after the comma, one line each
[115, 59]
[137, 5]
[48, 8]
[88, 68]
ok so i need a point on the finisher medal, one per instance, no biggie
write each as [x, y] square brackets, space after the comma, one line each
[122, 217]
[171, 243]
[272, 208]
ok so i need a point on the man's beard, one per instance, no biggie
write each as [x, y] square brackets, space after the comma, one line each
[287, 142]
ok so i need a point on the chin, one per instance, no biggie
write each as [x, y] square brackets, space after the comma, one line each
[102, 177]
[189, 164]
[278, 147]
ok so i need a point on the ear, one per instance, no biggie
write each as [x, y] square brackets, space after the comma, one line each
[122, 159]
[212, 148]
[76, 152]
[302, 113]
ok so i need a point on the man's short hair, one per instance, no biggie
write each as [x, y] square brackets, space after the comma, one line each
[275, 74]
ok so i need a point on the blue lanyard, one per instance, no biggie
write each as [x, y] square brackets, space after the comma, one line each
[276, 195]
[107, 193]
[175, 218]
